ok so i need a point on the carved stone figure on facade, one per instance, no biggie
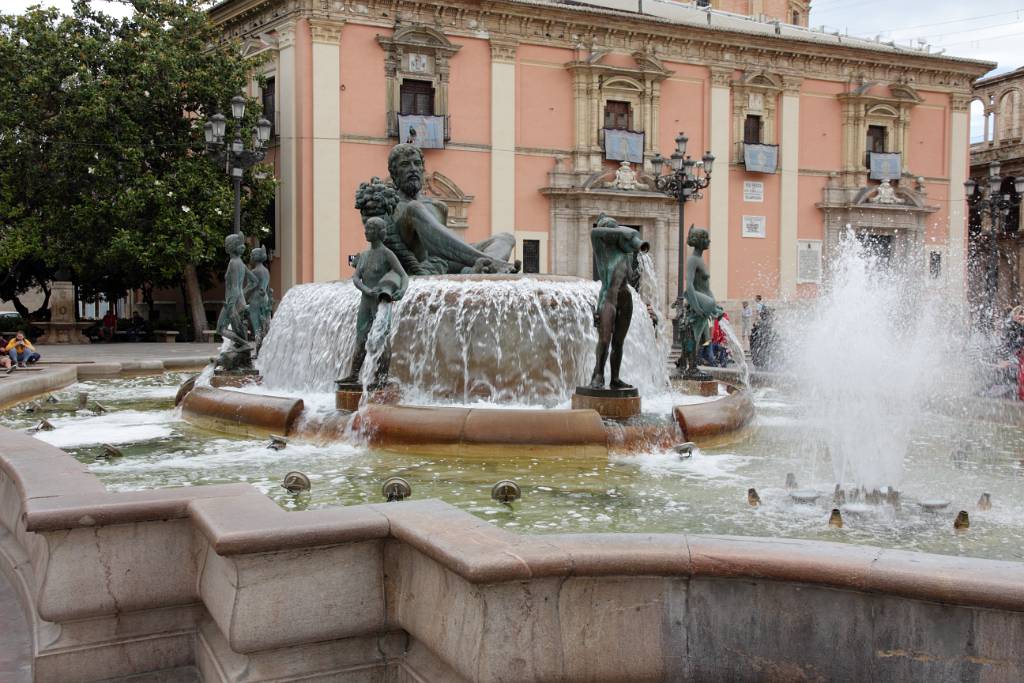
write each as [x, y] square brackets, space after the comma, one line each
[259, 296]
[420, 237]
[231, 323]
[626, 178]
[700, 307]
[380, 277]
[615, 248]
[885, 194]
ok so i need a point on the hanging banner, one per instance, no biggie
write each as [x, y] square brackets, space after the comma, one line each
[623, 145]
[426, 132]
[885, 166]
[760, 158]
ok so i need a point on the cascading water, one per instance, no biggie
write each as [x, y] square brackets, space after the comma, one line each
[867, 356]
[526, 339]
[650, 294]
[736, 350]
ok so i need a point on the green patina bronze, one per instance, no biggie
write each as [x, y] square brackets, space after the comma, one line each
[615, 248]
[258, 295]
[700, 306]
[231, 323]
[381, 278]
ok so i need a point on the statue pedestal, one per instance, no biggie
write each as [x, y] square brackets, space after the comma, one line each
[612, 404]
[347, 395]
[699, 387]
[62, 327]
[234, 378]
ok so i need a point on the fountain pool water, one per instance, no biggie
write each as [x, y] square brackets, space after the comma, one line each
[644, 492]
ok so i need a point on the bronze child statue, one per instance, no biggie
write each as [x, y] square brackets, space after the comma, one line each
[230, 324]
[700, 307]
[380, 277]
[259, 295]
[614, 250]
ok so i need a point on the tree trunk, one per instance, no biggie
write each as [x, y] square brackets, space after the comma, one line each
[44, 307]
[20, 308]
[147, 296]
[195, 302]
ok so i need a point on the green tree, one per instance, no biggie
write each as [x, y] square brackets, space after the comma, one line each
[102, 166]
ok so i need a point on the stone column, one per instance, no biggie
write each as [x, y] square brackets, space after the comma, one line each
[287, 190]
[326, 37]
[789, 161]
[718, 193]
[661, 262]
[959, 145]
[503, 137]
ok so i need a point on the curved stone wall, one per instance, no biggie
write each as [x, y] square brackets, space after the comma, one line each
[221, 580]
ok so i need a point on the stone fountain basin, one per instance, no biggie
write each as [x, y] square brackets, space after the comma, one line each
[220, 580]
[469, 432]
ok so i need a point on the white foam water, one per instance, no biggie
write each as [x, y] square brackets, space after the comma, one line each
[507, 340]
[866, 356]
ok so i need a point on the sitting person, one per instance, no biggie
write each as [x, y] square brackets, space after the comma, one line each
[5, 360]
[138, 328]
[21, 350]
[109, 326]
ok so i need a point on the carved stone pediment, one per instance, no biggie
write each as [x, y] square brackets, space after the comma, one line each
[418, 36]
[648, 69]
[439, 186]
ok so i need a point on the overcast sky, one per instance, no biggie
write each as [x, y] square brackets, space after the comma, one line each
[992, 30]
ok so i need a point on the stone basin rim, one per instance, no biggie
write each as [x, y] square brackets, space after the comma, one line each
[58, 494]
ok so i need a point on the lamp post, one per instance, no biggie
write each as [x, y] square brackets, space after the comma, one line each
[683, 182]
[235, 157]
[998, 205]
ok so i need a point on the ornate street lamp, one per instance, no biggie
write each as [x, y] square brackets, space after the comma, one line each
[683, 182]
[998, 205]
[235, 157]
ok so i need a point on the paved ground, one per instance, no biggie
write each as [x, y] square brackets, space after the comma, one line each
[15, 648]
[105, 353]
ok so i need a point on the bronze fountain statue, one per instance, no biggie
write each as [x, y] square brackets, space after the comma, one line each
[614, 249]
[700, 307]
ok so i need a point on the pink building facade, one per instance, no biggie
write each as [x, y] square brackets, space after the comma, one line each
[527, 109]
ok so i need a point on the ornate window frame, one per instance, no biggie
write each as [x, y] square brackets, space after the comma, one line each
[420, 53]
[595, 84]
[755, 93]
[862, 109]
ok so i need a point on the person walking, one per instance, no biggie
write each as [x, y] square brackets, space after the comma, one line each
[747, 318]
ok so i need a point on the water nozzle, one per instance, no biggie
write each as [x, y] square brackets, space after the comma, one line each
[835, 519]
[396, 489]
[985, 502]
[645, 247]
[296, 482]
[962, 521]
[506, 491]
[752, 498]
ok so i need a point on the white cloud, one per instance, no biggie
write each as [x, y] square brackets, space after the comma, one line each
[990, 30]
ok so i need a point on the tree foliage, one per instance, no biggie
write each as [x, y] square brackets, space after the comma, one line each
[102, 166]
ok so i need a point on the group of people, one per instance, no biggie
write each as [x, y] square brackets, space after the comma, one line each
[18, 352]
[1009, 368]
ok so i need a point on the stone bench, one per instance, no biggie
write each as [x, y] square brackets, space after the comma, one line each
[165, 336]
